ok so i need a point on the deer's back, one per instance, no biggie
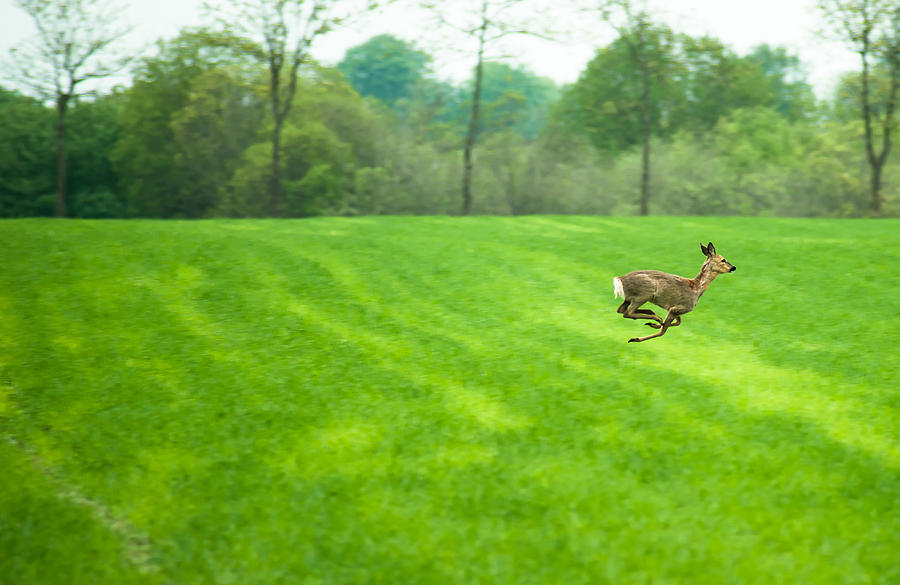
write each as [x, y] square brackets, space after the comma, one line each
[665, 290]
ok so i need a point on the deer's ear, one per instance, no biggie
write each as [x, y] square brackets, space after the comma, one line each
[710, 249]
[704, 250]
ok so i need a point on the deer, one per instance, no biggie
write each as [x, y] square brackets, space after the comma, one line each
[676, 294]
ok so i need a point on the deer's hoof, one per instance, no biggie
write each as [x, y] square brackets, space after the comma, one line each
[633, 339]
[654, 325]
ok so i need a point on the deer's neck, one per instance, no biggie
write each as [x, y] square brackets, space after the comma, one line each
[701, 282]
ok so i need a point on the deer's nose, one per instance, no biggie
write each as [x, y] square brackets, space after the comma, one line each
[733, 268]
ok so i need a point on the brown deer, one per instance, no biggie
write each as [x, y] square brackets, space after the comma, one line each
[677, 294]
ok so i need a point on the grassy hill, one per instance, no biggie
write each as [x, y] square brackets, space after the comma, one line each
[448, 401]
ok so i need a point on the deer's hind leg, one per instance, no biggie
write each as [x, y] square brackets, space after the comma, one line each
[630, 310]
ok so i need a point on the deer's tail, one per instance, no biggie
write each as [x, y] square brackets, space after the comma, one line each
[617, 288]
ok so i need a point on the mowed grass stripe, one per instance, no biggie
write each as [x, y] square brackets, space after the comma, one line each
[446, 400]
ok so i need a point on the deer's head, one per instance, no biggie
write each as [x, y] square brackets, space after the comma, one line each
[715, 262]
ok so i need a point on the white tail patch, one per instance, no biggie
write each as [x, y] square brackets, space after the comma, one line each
[617, 287]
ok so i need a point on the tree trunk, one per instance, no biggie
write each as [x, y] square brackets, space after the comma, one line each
[62, 104]
[874, 167]
[645, 136]
[276, 188]
[875, 188]
[511, 195]
[876, 160]
[468, 164]
[470, 141]
[645, 171]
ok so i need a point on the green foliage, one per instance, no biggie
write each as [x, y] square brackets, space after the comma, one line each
[327, 99]
[373, 191]
[43, 206]
[512, 98]
[694, 83]
[246, 194]
[316, 164]
[515, 98]
[516, 177]
[711, 81]
[755, 162]
[26, 154]
[221, 118]
[384, 67]
[755, 137]
[192, 137]
[440, 400]
[329, 134]
[185, 121]
[605, 104]
[436, 113]
[846, 103]
[414, 178]
[793, 97]
[93, 131]
[97, 204]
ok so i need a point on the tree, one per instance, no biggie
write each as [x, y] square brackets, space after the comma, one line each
[651, 83]
[77, 41]
[485, 23]
[175, 105]
[648, 47]
[282, 32]
[327, 137]
[872, 29]
[626, 94]
[384, 67]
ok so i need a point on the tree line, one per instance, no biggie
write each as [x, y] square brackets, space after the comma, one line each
[236, 120]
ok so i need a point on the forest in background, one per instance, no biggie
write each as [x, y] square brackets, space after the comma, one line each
[191, 136]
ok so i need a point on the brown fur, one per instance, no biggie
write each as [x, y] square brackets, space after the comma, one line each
[676, 294]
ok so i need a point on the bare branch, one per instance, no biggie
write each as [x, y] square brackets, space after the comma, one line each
[76, 41]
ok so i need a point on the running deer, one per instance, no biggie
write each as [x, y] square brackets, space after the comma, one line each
[677, 294]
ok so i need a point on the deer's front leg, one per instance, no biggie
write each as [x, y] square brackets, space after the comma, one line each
[668, 322]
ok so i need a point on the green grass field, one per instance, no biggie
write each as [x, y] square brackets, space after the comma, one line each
[447, 401]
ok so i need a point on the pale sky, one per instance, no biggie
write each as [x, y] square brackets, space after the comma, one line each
[739, 24]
